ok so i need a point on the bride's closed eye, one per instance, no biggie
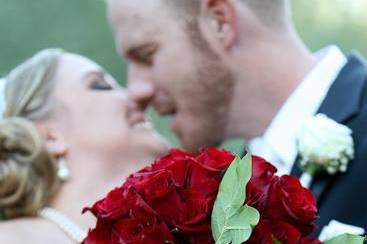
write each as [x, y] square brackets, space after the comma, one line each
[99, 84]
[97, 81]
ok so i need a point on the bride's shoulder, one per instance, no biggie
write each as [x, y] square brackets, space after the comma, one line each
[31, 230]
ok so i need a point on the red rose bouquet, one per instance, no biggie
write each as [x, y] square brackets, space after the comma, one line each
[212, 197]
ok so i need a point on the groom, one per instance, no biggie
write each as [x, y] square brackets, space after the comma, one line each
[237, 68]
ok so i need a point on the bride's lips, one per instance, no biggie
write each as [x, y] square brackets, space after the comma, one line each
[143, 125]
[138, 120]
[134, 114]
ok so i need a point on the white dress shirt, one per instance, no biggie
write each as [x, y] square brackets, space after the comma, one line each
[278, 143]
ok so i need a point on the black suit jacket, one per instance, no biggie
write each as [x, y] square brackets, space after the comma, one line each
[344, 197]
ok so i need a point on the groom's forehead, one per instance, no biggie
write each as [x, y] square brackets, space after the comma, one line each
[136, 21]
[136, 11]
[134, 16]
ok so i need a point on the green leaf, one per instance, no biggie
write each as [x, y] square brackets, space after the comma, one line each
[232, 221]
[346, 239]
[275, 241]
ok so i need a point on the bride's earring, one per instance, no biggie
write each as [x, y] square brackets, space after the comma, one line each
[63, 171]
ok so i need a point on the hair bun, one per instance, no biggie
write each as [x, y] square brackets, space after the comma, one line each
[27, 172]
[19, 139]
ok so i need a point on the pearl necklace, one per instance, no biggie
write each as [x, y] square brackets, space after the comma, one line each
[64, 223]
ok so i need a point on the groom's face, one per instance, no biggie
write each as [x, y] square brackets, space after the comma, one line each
[172, 68]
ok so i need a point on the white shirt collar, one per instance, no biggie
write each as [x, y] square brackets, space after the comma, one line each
[278, 144]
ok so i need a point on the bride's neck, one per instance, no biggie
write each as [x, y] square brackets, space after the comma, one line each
[90, 180]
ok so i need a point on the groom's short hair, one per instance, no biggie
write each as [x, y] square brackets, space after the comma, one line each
[271, 12]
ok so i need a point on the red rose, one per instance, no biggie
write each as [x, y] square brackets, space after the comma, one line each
[137, 222]
[287, 209]
[111, 207]
[159, 191]
[205, 238]
[290, 202]
[174, 156]
[262, 170]
[269, 230]
[284, 232]
[171, 201]
[261, 179]
[207, 169]
[215, 159]
[178, 162]
[261, 234]
[195, 214]
[141, 228]
[155, 185]
[308, 240]
[203, 180]
[101, 234]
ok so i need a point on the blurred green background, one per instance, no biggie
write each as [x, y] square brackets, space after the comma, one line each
[81, 26]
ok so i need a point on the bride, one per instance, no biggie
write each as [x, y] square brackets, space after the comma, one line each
[64, 141]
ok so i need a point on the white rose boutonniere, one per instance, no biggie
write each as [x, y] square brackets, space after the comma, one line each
[324, 146]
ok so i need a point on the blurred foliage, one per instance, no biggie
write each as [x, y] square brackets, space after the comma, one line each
[77, 26]
[340, 22]
[81, 26]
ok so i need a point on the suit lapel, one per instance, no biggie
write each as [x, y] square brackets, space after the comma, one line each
[344, 96]
[341, 104]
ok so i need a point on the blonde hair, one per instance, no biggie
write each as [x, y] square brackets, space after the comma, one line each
[28, 173]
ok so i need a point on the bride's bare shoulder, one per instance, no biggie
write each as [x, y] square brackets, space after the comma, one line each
[31, 230]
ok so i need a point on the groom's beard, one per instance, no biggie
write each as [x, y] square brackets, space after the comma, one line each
[203, 121]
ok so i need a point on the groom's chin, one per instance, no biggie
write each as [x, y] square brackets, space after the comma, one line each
[192, 143]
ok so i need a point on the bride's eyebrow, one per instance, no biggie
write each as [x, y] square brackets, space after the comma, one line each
[95, 73]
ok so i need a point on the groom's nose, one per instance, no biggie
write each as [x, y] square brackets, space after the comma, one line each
[141, 92]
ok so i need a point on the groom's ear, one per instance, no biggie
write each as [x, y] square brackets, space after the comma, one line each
[220, 21]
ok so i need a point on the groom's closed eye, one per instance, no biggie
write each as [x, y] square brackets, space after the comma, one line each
[143, 54]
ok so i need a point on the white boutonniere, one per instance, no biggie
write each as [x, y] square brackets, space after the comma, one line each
[324, 146]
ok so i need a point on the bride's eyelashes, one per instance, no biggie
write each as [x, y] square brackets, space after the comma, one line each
[99, 84]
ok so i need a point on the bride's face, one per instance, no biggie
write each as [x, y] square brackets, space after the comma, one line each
[91, 113]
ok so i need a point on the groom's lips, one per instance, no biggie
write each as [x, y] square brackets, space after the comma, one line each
[164, 104]
[164, 109]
